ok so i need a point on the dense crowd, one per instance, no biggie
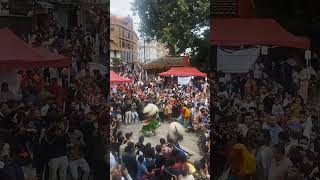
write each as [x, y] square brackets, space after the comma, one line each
[51, 128]
[76, 42]
[264, 126]
[55, 127]
[186, 104]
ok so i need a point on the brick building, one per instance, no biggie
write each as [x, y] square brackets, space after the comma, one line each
[123, 41]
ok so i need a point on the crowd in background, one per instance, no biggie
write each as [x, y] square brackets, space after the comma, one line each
[187, 104]
[55, 127]
[264, 126]
[76, 42]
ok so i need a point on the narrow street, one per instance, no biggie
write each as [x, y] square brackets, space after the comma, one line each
[189, 142]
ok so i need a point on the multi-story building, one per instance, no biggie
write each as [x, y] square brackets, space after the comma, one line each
[17, 15]
[123, 40]
[150, 51]
[24, 15]
[70, 13]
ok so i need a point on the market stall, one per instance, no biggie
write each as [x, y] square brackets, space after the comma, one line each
[15, 54]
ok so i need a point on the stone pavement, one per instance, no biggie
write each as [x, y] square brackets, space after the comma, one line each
[189, 142]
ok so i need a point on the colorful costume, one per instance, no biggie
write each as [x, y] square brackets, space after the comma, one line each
[152, 123]
[185, 118]
[175, 136]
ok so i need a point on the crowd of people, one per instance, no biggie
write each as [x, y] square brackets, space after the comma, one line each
[264, 127]
[76, 42]
[55, 127]
[184, 104]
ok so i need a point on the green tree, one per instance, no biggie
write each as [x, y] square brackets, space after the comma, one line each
[179, 24]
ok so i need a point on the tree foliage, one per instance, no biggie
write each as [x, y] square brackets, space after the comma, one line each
[179, 24]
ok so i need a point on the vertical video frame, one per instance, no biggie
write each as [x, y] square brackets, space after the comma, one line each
[264, 89]
[54, 76]
[159, 89]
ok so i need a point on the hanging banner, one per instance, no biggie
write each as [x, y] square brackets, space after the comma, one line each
[184, 80]
[236, 61]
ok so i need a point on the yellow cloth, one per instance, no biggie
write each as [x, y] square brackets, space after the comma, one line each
[187, 112]
[191, 167]
[248, 166]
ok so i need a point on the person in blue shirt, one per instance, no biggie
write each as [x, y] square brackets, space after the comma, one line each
[143, 172]
[274, 129]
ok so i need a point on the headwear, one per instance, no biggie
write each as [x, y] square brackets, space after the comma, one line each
[175, 133]
[150, 110]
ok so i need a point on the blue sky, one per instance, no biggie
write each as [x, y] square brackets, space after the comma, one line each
[123, 8]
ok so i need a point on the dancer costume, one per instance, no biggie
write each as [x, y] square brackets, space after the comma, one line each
[174, 137]
[152, 123]
[185, 118]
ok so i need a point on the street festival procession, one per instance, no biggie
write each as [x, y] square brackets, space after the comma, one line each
[159, 96]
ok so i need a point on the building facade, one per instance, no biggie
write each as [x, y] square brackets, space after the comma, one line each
[25, 15]
[150, 51]
[123, 40]
[16, 15]
[232, 8]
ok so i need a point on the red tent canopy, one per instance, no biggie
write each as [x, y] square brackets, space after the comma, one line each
[14, 52]
[115, 78]
[52, 58]
[235, 31]
[183, 71]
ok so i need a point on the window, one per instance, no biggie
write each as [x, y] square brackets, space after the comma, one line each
[123, 44]
[112, 29]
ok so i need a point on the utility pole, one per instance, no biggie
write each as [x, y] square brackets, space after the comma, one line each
[144, 50]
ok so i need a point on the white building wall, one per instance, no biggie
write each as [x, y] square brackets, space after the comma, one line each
[152, 51]
[115, 54]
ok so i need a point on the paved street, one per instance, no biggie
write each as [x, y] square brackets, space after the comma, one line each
[189, 143]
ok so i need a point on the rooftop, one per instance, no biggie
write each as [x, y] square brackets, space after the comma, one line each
[165, 63]
[224, 8]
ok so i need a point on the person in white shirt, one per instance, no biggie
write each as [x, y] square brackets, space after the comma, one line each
[244, 127]
[277, 109]
[307, 125]
[249, 103]
[287, 100]
[258, 69]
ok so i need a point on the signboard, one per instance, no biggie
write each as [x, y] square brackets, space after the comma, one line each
[184, 80]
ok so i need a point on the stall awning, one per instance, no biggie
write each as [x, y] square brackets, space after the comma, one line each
[15, 53]
[183, 71]
[268, 32]
[115, 78]
[55, 60]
